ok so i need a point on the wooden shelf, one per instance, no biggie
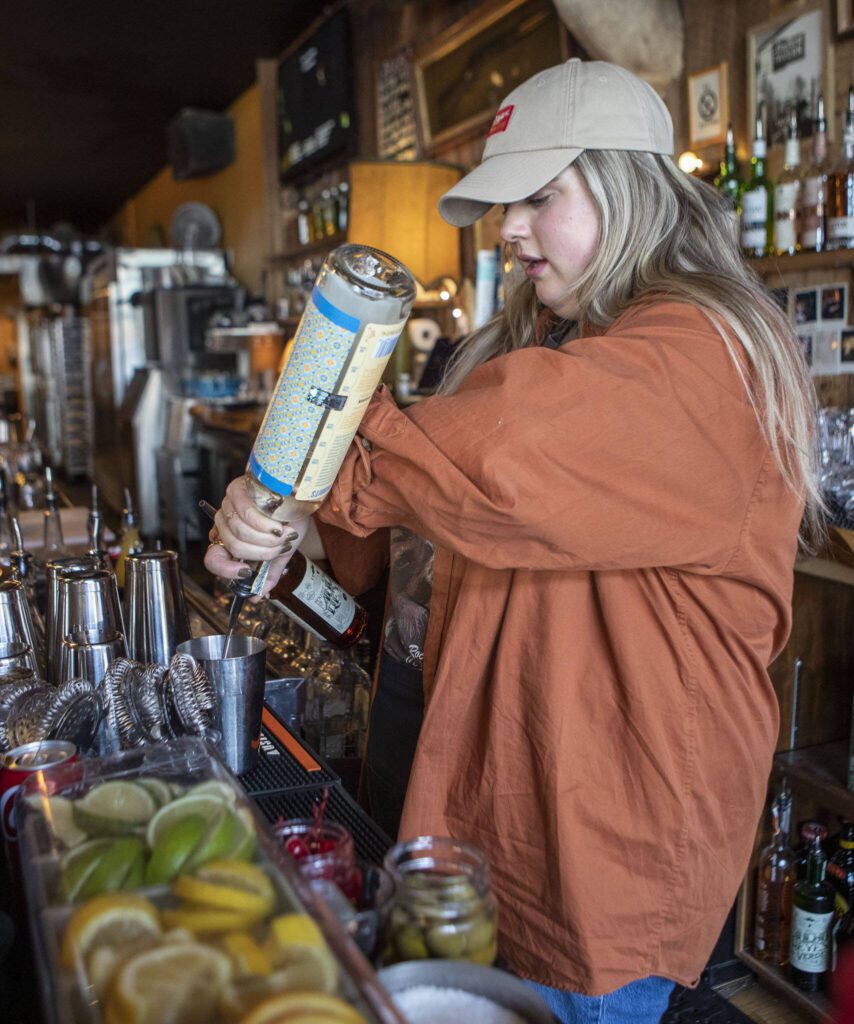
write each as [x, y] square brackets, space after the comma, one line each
[324, 245]
[838, 259]
[826, 569]
[816, 1005]
[822, 771]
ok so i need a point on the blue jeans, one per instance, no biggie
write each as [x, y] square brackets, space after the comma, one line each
[640, 1002]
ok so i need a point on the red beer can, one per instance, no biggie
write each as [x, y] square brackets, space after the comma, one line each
[17, 765]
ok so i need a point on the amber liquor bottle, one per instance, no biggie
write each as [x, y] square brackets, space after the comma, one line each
[840, 188]
[317, 603]
[812, 924]
[774, 888]
[814, 189]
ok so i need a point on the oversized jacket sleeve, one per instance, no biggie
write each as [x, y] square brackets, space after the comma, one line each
[633, 449]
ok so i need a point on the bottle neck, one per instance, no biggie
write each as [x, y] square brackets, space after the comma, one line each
[793, 152]
[816, 865]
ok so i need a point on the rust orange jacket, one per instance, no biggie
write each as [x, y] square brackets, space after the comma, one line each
[613, 575]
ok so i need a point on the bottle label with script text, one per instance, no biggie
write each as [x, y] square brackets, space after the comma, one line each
[754, 213]
[811, 206]
[810, 950]
[334, 366]
[324, 597]
[785, 199]
[840, 232]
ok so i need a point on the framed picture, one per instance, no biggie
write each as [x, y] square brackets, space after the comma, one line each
[788, 62]
[806, 306]
[846, 350]
[464, 75]
[843, 11]
[397, 124]
[708, 105]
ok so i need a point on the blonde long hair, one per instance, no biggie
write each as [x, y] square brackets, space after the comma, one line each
[664, 231]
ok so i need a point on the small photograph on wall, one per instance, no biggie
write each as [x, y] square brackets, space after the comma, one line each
[846, 350]
[806, 306]
[833, 302]
[806, 344]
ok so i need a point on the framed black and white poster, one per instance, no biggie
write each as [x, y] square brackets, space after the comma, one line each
[787, 67]
[708, 105]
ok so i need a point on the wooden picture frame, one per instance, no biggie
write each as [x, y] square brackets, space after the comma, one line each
[708, 106]
[463, 76]
[789, 61]
[843, 18]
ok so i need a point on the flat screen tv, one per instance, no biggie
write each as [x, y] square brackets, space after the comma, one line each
[315, 100]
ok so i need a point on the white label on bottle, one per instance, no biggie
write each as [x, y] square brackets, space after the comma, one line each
[375, 345]
[323, 595]
[841, 230]
[754, 214]
[332, 370]
[810, 950]
[785, 199]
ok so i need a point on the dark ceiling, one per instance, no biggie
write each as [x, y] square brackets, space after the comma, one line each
[87, 88]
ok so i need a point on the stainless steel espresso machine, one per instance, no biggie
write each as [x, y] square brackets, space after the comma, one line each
[149, 310]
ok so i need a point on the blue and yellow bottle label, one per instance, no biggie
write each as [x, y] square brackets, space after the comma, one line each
[334, 366]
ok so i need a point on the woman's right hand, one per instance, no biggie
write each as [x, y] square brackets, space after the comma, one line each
[243, 534]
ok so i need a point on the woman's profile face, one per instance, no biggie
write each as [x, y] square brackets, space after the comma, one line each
[554, 234]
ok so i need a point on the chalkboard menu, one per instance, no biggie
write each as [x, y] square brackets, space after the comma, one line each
[316, 100]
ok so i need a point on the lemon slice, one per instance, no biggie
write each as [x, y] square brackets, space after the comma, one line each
[297, 944]
[203, 806]
[237, 874]
[303, 1008]
[221, 897]
[176, 983]
[249, 959]
[114, 808]
[209, 921]
[122, 920]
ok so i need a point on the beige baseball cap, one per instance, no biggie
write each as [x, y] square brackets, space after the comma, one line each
[544, 124]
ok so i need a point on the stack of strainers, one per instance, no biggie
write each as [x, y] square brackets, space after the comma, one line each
[31, 711]
[150, 703]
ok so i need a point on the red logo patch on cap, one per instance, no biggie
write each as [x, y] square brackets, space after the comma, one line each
[501, 120]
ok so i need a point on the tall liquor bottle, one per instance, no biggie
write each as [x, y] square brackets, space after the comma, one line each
[728, 182]
[757, 201]
[786, 194]
[812, 923]
[775, 886]
[814, 189]
[840, 188]
[358, 308]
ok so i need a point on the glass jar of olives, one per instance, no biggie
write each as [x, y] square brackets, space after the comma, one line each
[443, 905]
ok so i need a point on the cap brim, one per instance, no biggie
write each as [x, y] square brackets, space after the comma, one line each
[503, 178]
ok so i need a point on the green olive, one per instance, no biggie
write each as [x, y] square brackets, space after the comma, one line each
[485, 955]
[447, 940]
[410, 944]
[480, 933]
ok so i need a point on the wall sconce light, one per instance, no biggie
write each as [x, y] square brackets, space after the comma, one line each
[689, 162]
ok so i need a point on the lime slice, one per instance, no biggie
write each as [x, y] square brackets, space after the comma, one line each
[245, 846]
[122, 859]
[222, 836]
[76, 866]
[214, 787]
[114, 809]
[59, 813]
[204, 806]
[175, 842]
[157, 788]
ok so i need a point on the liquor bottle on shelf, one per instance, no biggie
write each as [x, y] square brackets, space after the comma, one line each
[808, 831]
[840, 188]
[95, 530]
[774, 887]
[728, 182]
[757, 201]
[813, 196]
[54, 543]
[840, 870]
[786, 194]
[812, 924]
